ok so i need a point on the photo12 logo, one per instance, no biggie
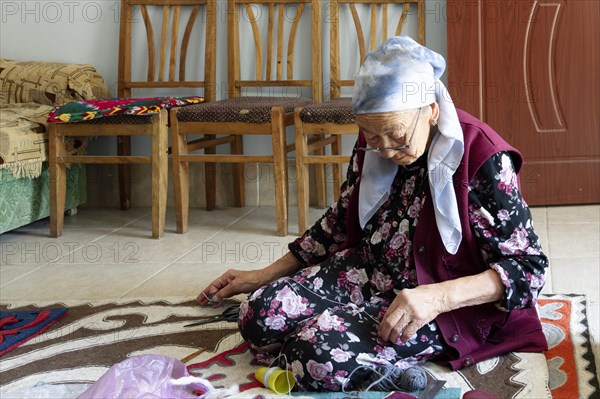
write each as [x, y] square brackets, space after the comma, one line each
[59, 11]
[68, 252]
[241, 252]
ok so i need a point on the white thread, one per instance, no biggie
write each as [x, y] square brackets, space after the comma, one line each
[209, 298]
[285, 359]
[268, 374]
[350, 375]
[382, 377]
[277, 358]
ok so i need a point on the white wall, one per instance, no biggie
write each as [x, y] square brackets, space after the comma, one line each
[87, 31]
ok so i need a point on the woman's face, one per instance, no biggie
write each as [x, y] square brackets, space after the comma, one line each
[396, 129]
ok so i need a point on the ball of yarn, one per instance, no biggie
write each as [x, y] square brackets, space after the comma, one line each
[391, 378]
[413, 379]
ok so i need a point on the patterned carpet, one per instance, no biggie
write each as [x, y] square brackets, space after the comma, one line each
[18, 327]
[78, 349]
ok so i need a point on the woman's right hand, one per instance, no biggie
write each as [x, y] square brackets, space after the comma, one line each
[230, 283]
[234, 281]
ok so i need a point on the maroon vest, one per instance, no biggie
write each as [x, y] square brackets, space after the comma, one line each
[477, 332]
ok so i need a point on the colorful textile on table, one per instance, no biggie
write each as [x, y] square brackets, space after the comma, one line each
[92, 109]
[95, 336]
[18, 327]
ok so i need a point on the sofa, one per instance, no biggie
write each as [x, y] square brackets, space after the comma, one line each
[28, 91]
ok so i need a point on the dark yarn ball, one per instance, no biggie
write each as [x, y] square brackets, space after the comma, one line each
[413, 379]
[391, 378]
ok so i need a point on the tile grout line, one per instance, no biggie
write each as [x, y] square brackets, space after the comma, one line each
[75, 250]
[187, 253]
[569, 223]
[549, 254]
[257, 188]
[20, 277]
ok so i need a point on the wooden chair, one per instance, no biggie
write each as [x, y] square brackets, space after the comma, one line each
[250, 115]
[124, 126]
[320, 125]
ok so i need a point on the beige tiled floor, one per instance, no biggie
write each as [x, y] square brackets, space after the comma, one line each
[106, 253]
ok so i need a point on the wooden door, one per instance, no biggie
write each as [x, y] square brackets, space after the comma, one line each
[531, 70]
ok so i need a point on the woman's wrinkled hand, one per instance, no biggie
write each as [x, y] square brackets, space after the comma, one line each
[412, 309]
[230, 283]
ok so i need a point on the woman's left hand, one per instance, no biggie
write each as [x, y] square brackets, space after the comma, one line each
[412, 309]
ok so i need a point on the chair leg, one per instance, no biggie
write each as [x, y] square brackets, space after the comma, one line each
[301, 173]
[336, 149]
[58, 181]
[279, 169]
[210, 174]
[124, 148]
[159, 173]
[239, 188]
[320, 181]
[181, 183]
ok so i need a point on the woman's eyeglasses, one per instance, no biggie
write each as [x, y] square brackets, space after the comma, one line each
[397, 148]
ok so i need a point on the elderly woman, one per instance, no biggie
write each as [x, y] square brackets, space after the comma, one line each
[428, 254]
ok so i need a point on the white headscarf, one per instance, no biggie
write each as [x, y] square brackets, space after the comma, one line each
[401, 75]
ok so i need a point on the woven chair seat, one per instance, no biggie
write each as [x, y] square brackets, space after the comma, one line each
[120, 119]
[338, 111]
[239, 109]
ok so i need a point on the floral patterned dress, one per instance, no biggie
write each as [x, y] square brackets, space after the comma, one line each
[322, 321]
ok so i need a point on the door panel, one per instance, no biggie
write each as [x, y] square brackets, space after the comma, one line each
[531, 70]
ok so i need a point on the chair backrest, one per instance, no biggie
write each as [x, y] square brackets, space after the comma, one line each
[381, 17]
[167, 44]
[276, 56]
